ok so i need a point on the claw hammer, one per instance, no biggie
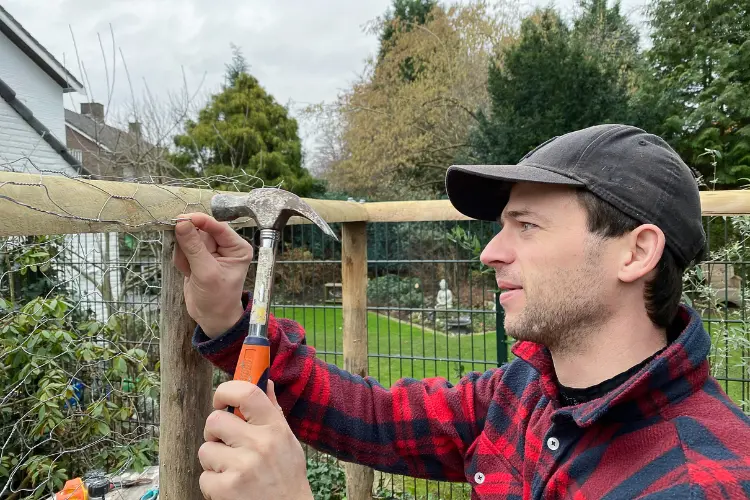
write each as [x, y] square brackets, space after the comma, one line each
[271, 209]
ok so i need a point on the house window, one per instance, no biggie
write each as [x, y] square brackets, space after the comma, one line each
[77, 154]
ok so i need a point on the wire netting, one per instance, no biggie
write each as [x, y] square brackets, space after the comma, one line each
[79, 321]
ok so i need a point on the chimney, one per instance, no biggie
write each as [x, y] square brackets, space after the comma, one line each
[135, 128]
[93, 110]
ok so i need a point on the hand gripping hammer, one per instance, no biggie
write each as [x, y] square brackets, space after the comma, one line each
[271, 209]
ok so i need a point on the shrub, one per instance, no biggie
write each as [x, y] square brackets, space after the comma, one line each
[326, 477]
[63, 398]
[394, 291]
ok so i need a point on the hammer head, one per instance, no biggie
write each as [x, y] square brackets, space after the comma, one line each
[271, 208]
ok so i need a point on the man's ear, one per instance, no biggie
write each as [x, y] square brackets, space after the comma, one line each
[641, 252]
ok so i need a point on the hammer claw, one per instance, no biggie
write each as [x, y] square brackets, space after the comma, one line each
[271, 208]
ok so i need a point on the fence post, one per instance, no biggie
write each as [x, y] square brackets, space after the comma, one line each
[501, 337]
[185, 389]
[359, 479]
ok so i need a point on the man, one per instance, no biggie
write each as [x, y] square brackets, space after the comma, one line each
[609, 397]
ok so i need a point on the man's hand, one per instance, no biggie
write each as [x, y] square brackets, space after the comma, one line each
[257, 459]
[214, 260]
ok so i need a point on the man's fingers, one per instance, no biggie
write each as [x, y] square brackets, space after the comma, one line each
[272, 394]
[225, 427]
[254, 405]
[209, 242]
[224, 235]
[191, 244]
[216, 457]
[211, 484]
[180, 261]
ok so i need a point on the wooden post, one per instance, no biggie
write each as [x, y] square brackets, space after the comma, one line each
[359, 479]
[186, 390]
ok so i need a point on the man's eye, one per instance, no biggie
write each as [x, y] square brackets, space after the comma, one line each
[527, 225]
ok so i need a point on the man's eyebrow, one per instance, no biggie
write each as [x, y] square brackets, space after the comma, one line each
[524, 212]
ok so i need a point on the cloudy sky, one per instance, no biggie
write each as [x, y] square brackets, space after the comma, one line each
[301, 54]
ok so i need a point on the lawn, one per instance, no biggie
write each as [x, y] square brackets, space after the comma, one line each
[398, 349]
[730, 356]
[401, 349]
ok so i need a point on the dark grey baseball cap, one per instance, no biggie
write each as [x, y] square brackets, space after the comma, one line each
[637, 172]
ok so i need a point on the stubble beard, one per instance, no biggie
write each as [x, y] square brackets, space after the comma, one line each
[564, 311]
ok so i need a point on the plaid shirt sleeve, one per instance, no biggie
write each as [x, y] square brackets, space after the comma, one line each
[420, 428]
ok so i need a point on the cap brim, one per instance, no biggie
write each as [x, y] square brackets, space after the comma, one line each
[482, 191]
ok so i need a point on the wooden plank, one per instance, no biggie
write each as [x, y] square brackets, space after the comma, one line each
[734, 202]
[186, 390]
[50, 204]
[359, 479]
[412, 211]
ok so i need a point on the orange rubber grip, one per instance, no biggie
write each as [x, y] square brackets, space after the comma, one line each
[253, 365]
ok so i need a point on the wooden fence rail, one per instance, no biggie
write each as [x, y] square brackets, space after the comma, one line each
[50, 205]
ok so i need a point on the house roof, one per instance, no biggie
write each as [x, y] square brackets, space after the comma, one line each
[109, 138]
[37, 53]
[9, 96]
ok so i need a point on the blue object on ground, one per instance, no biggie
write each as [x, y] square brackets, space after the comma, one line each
[151, 494]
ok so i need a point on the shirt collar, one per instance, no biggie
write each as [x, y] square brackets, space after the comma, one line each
[678, 371]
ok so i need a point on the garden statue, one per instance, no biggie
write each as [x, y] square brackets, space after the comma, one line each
[444, 297]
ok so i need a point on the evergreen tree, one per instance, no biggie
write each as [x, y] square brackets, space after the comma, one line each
[237, 67]
[405, 14]
[243, 138]
[553, 81]
[699, 97]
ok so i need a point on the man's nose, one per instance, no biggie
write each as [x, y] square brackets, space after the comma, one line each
[497, 251]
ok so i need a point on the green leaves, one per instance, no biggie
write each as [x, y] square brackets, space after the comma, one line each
[243, 138]
[700, 62]
[556, 80]
[63, 389]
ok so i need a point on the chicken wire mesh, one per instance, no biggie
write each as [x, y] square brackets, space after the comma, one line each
[79, 315]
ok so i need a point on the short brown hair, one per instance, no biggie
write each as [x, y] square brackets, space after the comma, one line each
[664, 292]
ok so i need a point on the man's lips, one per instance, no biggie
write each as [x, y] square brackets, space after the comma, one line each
[509, 291]
[504, 285]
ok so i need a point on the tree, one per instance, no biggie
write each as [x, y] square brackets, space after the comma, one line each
[404, 17]
[399, 135]
[555, 80]
[609, 37]
[243, 136]
[700, 96]
[237, 67]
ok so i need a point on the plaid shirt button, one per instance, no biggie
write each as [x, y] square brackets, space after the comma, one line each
[479, 477]
[553, 444]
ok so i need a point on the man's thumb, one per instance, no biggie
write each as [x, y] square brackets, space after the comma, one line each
[190, 241]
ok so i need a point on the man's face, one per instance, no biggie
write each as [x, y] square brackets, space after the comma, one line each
[557, 278]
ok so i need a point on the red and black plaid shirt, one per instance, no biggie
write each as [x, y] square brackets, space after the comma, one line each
[669, 432]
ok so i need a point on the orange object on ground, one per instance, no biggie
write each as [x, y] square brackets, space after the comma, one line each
[74, 489]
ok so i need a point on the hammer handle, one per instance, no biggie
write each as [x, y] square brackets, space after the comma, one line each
[253, 365]
[255, 357]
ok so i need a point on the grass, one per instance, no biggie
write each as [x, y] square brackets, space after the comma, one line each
[398, 349]
[401, 349]
[729, 356]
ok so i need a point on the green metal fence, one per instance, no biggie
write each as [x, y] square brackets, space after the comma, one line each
[411, 334]
[418, 326]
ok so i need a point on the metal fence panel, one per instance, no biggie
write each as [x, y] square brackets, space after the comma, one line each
[432, 309]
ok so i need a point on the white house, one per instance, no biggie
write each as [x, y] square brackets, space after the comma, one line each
[32, 116]
[32, 140]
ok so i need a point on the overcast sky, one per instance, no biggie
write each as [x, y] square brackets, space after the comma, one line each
[301, 51]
